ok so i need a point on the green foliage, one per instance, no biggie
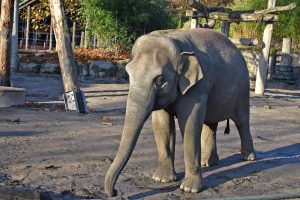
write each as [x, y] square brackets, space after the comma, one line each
[287, 26]
[117, 22]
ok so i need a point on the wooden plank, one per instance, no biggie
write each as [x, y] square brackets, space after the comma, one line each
[6, 22]
[262, 70]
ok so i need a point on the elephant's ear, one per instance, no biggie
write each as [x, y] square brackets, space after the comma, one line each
[190, 72]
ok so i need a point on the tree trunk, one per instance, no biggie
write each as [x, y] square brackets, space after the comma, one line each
[82, 39]
[14, 38]
[6, 22]
[262, 70]
[51, 37]
[65, 52]
[73, 35]
[27, 28]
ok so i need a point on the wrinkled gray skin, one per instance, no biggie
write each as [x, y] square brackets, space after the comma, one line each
[198, 76]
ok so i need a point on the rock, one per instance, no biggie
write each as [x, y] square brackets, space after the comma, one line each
[29, 67]
[102, 69]
[50, 68]
[252, 60]
[121, 72]
[122, 63]
[82, 70]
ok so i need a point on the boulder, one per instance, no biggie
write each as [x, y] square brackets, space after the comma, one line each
[121, 72]
[101, 69]
[50, 68]
[29, 67]
[82, 70]
[252, 60]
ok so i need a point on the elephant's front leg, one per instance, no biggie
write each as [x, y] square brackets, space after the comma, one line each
[190, 122]
[164, 134]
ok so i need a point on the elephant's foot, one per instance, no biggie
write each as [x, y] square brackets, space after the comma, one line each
[249, 156]
[209, 159]
[164, 174]
[192, 183]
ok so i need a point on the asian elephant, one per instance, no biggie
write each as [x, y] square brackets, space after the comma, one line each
[198, 76]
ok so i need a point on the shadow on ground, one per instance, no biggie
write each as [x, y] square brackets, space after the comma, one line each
[265, 161]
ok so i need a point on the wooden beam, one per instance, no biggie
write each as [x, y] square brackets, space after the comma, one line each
[237, 16]
[6, 22]
[66, 58]
[277, 9]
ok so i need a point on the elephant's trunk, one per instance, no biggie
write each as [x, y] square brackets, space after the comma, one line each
[139, 107]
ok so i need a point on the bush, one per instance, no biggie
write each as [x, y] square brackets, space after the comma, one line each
[117, 23]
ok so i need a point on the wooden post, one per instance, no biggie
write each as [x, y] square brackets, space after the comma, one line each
[73, 35]
[225, 28]
[194, 21]
[272, 65]
[82, 39]
[51, 37]
[261, 75]
[6, 22]
[286, 59]
[72, 95]
[14, 38]
[27, 28]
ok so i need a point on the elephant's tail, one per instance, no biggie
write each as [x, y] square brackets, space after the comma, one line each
[227, 129]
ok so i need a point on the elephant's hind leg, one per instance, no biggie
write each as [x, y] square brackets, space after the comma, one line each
[164, 134]
[209, 154]
[242, 123]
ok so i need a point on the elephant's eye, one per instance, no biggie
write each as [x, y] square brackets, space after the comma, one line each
[159, 81]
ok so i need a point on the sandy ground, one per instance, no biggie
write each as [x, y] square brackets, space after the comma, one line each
[65, 155]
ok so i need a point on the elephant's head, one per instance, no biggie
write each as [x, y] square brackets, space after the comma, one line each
[159, 72]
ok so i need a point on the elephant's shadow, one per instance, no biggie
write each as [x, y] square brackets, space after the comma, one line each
[265, 160]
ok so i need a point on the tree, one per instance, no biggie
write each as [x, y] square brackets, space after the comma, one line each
[118, 23]
[6, 21]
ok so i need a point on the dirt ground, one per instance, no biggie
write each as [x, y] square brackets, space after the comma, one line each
[65, 155]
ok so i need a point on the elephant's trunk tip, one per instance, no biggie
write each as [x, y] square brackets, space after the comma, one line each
[109, 187]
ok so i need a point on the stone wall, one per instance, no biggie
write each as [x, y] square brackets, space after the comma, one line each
[116, 69]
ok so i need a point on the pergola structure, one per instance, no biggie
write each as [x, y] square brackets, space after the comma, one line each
[227, 16]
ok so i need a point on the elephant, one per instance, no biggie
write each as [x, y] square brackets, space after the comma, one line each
[197, 76]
